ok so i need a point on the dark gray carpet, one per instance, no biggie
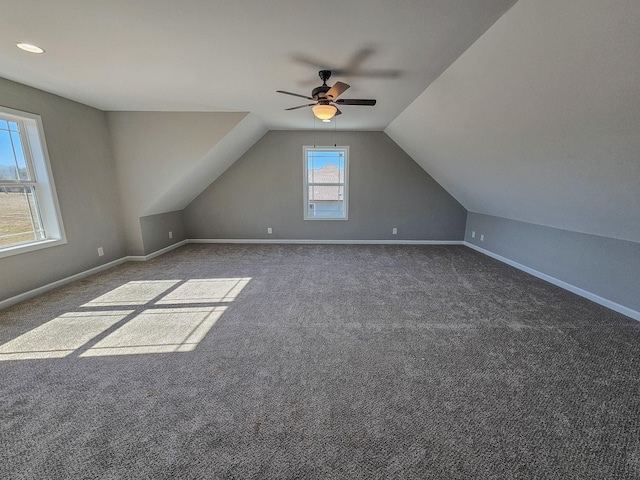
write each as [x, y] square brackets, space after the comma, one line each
[332, 362]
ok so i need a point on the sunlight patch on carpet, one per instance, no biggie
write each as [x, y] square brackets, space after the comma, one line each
[138, 317]
[159, 331]
[205, 290]
[61, 336]
[132, 293]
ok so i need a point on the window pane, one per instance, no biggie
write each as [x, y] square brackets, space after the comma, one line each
[23, 173]
[323, 193]
[326, 167]
[326, 210]
[326, 201]
[7, 158]
[13, 126]
[19, 218]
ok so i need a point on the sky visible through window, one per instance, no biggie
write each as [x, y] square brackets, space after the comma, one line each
[12, 161]
[318, 159]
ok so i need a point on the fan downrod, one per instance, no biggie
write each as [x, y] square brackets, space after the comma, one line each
[324, 75]
[319, 92]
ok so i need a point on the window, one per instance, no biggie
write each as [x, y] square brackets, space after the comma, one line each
[29, 212]
[326, 183]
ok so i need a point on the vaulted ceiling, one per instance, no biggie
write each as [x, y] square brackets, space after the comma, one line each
[229, 55]
[527, 110]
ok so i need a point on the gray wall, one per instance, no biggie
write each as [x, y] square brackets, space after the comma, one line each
[386, 189]
[607, 267]
[84, 174]
[155, 230]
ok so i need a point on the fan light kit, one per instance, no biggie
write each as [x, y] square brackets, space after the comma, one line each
[324, 112]
[326, 98]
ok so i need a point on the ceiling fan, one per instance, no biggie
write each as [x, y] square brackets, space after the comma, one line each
[326, 98]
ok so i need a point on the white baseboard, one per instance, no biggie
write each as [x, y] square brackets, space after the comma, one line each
[326, 242]
[58, 283]
[567, 286]
[144, 258]
[64, 281]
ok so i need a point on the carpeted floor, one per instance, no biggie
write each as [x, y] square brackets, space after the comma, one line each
[309, 361]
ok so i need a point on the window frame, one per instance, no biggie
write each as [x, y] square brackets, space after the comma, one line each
[307, 184]
[37, 161]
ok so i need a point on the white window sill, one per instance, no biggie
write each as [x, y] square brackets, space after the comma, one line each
[30, 247]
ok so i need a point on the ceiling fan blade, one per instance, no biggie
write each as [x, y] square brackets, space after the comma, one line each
[294, 94]
[357, 59]
[338, 89]
[300, 106]
[309, 60]
[355, 101]
[389, 73]
[338, 112]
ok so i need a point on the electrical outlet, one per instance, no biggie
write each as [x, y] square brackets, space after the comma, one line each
[394, 231]
[482, 238]
[473, 234]
[170, 234]
[269, 230]
[100, 251]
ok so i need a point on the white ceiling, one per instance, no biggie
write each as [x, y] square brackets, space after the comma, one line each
[230, 55]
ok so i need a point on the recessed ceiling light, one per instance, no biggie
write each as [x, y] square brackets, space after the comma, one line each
[27, 47]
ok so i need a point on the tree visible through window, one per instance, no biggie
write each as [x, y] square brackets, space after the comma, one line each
[28, 208]
[326, 184]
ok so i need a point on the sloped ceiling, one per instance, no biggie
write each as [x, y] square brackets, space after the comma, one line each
[539, 120]
[165, 159]
[230, 55]
[187, 186]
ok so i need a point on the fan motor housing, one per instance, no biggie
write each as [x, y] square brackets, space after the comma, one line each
[320, 91]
